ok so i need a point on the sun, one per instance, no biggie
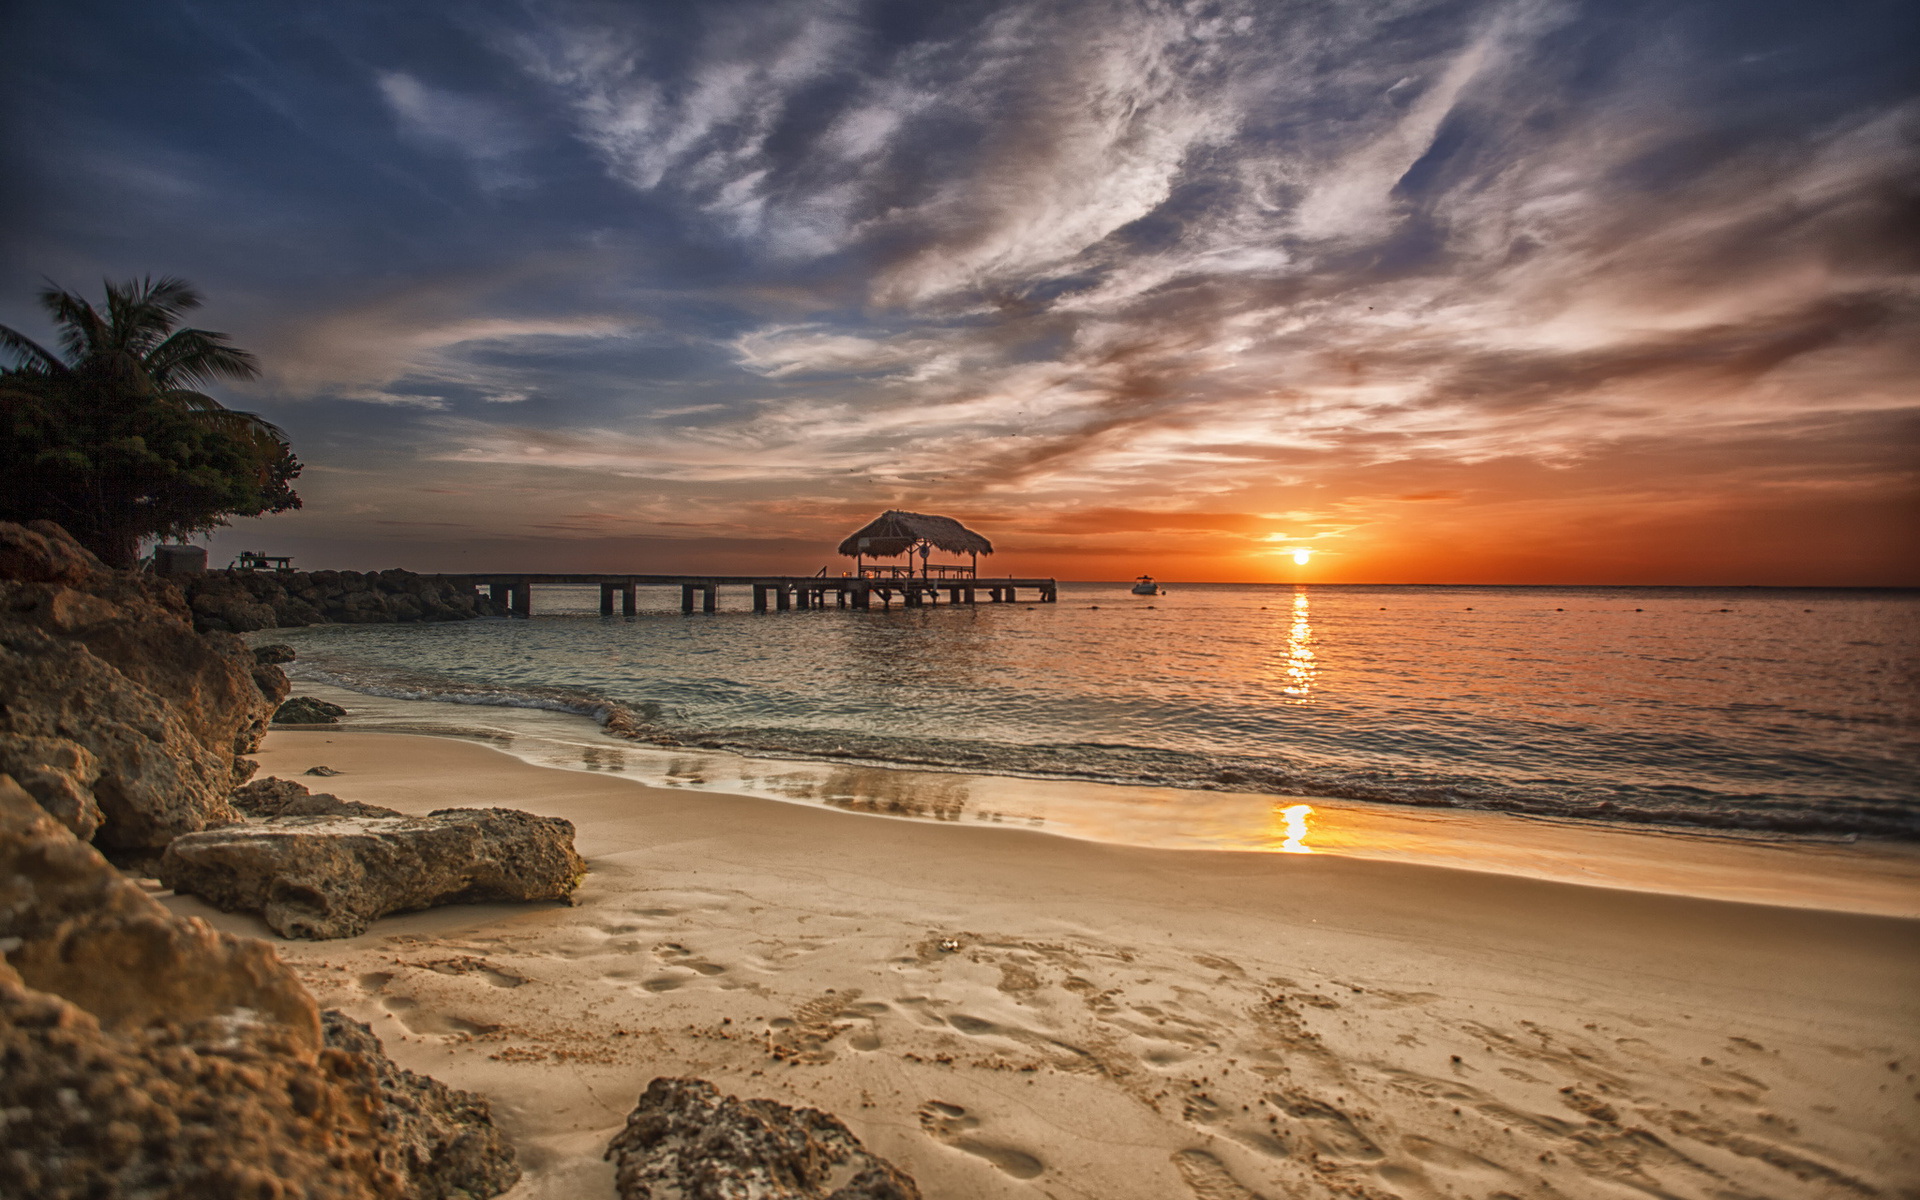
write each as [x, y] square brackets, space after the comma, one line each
[1301, 556]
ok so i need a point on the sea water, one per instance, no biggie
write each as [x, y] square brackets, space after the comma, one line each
[1781, 712]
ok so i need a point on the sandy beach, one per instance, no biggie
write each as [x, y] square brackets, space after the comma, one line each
[1005, 1013]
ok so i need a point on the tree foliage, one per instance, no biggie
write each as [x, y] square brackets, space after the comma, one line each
[111, 436]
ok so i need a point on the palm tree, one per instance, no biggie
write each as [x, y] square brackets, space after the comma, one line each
[115, 439]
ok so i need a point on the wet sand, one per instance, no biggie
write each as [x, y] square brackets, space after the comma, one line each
[1009, 1013]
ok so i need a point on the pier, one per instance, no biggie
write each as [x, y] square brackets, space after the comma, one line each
[779, 593]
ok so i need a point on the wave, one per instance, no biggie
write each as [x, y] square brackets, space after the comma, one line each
[1130, 765]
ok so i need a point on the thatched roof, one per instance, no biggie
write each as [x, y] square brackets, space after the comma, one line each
[893, 532]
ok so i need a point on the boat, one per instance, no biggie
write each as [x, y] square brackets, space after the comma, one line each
[1145, 586]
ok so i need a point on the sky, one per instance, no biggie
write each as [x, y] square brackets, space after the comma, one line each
[1474, 291]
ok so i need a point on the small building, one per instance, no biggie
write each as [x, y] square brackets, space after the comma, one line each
[895, 533]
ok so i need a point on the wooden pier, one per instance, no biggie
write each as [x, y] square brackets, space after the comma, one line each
[778, 592]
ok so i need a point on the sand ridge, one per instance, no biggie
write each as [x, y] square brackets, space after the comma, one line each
[1009, 1014]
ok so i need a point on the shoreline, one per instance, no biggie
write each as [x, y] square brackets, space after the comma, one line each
[1006, 1013]
[1863, 875]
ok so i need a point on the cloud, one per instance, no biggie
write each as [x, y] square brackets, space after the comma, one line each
[479, 129]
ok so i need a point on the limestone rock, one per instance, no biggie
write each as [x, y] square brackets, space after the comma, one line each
[440, 1138]
[332, 876]
[58, 773]
[275, 653]
[145, 1055]
[305, 710]
[273, 797]
[114, 712]
[686, 1141]
[42, 552]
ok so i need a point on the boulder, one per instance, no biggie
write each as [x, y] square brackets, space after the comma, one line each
[441, 1139]
[686, 1141]
[272, 797]
[275, 653]
[42, 552]
[114, 713]
[148, 1055]
[332, 876]
[305, 710]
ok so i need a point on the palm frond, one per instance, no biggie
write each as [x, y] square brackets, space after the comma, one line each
[30, 356]
[83, 332]
[143, 311]
[199, 356]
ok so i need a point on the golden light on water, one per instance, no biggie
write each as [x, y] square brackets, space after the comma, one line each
[1293, 828]
[1300, 661]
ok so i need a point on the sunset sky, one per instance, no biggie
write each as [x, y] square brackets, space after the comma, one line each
[1483, 292]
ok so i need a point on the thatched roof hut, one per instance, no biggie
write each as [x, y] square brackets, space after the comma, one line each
[894, 532]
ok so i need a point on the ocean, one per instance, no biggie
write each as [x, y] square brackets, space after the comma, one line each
[1783, 712]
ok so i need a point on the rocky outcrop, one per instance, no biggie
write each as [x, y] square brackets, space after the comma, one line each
[243, 601]
[116, 715]
[441, 1139]
[332, 876]
[145, 1055]
[687, 1141]
[305, 710]
[273, 797]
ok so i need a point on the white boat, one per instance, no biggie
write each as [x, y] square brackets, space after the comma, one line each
[1145, 586]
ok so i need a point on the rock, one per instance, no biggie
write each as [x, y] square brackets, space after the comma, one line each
[271, 797]
[243, 601]
[305, 710]
[441, 1139]
[42, 552]
[59, 774]
[114, 713]
[146, 1055]
[274, 653]
[323, 771]
[686, 1141]
[332, 876]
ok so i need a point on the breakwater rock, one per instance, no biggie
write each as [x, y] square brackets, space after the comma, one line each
[684, 1139]
[331, 876]
[148, 1055]
[116, 715]
[243, 601]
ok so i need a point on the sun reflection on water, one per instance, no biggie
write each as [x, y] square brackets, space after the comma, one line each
[1300, 663]
[1293, 828]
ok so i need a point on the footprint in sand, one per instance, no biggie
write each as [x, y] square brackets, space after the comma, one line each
[1331, 1131]
[954, 1125]
[1208, 1178]
[499, 977]
[426, 1022]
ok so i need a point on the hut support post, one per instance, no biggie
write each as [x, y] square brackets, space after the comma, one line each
[629, 599]
[783, 598]
[606, 599]
[523, 599]
[759, 597]
[711, 601]
[686, 597]
[500, 593]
